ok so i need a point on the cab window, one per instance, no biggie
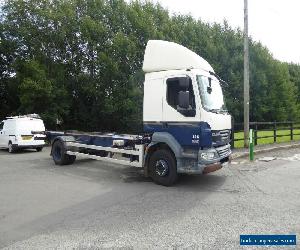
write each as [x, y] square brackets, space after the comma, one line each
[174, 86]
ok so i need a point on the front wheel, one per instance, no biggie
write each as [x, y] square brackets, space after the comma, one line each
[162, 167]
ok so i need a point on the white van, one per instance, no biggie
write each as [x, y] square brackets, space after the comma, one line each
[22, 132]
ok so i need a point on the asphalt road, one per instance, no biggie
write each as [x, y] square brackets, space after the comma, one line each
[91, 205]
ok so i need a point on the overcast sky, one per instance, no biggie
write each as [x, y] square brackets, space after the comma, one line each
[276, 23]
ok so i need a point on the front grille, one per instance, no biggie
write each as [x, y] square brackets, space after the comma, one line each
[225, 134]
[221, 135]
[223, 151]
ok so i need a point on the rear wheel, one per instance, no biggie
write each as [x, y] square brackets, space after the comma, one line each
[39, 149]
[59, 155]
[162, 167]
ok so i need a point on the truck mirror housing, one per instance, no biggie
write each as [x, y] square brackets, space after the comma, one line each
[184, 99]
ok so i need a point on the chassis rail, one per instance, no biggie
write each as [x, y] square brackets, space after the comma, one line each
[137, 151]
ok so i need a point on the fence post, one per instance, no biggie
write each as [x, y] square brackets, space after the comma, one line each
[251, 146]
[275, 134]
[232, 133]
[292, 134]
[255, 134]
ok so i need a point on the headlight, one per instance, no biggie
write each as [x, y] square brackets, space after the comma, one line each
[208, 155]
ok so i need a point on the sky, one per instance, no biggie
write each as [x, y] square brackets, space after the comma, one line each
[275, 23]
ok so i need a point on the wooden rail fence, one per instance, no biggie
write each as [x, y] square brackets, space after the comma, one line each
[267, 126]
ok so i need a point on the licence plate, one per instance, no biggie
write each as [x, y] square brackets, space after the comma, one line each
[26, 137]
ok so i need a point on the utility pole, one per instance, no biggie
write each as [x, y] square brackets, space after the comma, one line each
[246, 76]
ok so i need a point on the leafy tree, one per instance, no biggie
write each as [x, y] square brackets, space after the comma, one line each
[80, 61]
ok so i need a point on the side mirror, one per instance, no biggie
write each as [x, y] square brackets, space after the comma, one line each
[184, 99]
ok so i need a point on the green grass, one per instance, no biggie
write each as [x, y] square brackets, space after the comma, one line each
[285, 138]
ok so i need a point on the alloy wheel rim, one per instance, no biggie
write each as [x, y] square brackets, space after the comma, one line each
[161, 168]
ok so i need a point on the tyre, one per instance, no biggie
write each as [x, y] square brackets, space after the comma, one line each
[11, 148]
[162, 167]
[39, 149]
[59, 156]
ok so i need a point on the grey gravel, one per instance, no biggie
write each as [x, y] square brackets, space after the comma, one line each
[266, 159]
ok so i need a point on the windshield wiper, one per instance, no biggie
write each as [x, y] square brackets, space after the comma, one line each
[219, 78]
[219, 111]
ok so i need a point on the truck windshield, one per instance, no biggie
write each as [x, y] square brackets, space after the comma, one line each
[211, 94]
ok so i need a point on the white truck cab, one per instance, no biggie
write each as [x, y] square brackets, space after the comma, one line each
[181, 87]
[184, 107]
[20, 132]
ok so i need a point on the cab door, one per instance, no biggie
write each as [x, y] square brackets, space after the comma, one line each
[2, 134]
[181, 118]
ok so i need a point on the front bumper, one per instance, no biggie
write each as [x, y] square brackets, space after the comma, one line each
[220, 157]
[216, 166]
[28, 146]
[33, 143]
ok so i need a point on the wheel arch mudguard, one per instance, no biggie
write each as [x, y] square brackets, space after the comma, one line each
[165, 139]
[169, 140]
